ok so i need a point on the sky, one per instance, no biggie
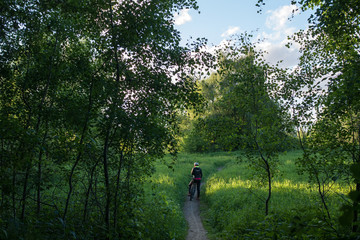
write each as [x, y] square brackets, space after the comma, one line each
[219, 19]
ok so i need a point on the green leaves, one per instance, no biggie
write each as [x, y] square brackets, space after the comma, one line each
[355, 171]
[89, 91]
[347, 216]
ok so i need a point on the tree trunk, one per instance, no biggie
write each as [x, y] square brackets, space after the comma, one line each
[268, 172]
[78, 158]
[107, 184]
[89, 190]
[38, 197]
[1, 166]
[87, 119]
[355, 207]
[269, 187]
[117, 188]
[356, 203]
[322, 195]
[13, 192]
[24, 194]
[39, 180]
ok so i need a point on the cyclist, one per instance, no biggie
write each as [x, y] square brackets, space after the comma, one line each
[197, 175]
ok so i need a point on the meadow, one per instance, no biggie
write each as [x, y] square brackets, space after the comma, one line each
[166, 190]
[232, 201]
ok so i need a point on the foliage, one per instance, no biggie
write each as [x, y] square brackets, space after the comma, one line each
[90, 91]
[239, 100]
[327, 85]
[233, 207]
[165, 191]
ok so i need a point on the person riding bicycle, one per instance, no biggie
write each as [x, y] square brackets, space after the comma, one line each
[196, 172]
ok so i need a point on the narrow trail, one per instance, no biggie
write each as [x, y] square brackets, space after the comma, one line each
[192, 215]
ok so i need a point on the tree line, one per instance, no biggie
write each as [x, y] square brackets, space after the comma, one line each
[92, 91]
[89, 95]
[264, 110]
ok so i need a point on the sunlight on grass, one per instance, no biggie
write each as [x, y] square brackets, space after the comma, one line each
[235, 200]
[163, 179]
[214, 184]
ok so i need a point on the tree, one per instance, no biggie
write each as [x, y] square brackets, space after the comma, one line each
[213, 128]
[261, 119]
[89, 96]
[242, 112]
[327, 82]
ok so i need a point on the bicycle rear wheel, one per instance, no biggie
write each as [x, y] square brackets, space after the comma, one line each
[192, 191]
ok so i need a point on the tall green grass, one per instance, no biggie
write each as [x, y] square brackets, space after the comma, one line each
[233, 201]
[167, 189]
[236, 205]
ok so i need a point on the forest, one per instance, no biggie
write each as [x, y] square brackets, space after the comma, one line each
[102, 109]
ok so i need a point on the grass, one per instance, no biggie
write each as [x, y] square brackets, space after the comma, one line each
[236, 204]
[166, 190]
[233, 204]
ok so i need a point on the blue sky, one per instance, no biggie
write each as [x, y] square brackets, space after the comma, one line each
[218, 19]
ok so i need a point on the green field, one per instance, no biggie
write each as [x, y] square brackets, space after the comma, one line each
[167, 188]
[233, 205]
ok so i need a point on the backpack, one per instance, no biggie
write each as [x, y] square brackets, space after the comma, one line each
[197, 173]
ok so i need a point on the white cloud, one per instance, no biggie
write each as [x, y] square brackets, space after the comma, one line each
[277, 52]
[182, 17]
[279, 18]
[274, 38]
[274, 42]
[230, 31]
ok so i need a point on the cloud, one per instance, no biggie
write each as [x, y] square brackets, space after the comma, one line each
[275, 41]
[277, 52]
[231, 30]
[182, 17]
[279, 18]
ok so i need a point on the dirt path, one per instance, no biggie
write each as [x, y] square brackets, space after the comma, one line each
[192, 215]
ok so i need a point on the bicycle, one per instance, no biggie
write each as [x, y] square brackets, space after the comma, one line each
[193, 190]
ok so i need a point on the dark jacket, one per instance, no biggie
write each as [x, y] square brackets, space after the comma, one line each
[197, 173]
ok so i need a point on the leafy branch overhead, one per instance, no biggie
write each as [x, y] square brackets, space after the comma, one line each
[327, 82]
[89, 94]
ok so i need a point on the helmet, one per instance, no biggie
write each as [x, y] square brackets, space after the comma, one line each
[196, 164]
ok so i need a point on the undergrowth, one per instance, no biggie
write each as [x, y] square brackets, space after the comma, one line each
[235, 205]
[166, 191]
